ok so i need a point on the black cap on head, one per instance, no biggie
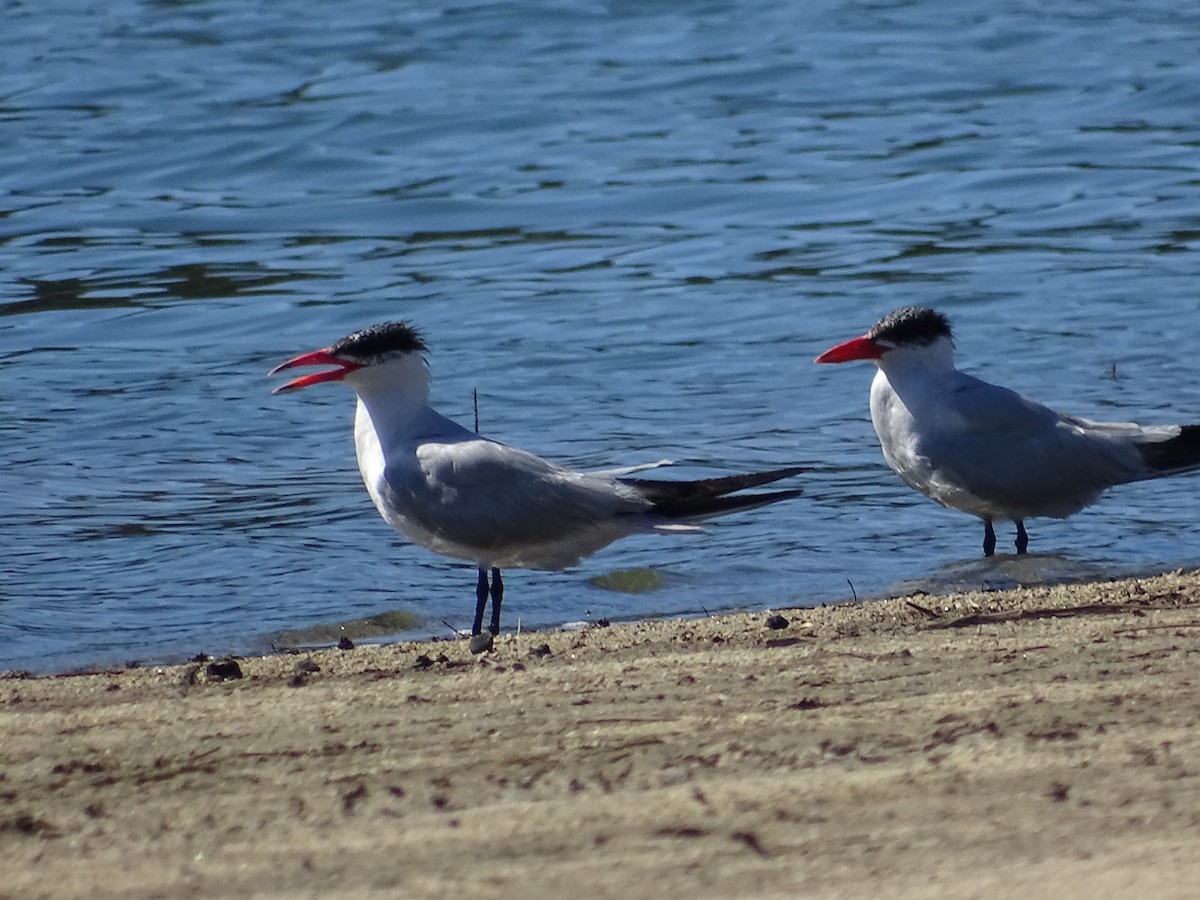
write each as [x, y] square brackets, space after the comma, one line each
[379, 341]
[911, 326]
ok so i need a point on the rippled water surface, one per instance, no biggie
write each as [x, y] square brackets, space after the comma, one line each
[628, 226]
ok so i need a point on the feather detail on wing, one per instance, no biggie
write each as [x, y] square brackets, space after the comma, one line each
[988, 408]
[629, 470]
[1178, 450]
[482, 487]
[994, 453]
[497, 505]
[709, 496]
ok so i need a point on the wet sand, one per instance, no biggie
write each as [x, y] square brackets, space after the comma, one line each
[1037, 743]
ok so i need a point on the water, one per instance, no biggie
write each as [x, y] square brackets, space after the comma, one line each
[629, 226]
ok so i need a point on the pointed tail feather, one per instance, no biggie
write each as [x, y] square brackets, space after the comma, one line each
[1176, 454]
[668, 492]
[703, 507]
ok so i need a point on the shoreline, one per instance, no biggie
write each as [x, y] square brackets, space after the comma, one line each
[277, 643]
[1041, 739]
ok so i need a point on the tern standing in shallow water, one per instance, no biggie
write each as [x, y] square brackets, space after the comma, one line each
[454, 492]
[986, 450]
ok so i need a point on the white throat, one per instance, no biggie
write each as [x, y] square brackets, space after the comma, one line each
[393, 398]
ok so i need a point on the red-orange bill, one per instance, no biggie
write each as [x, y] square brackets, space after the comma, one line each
[315, 358]
[855, 348]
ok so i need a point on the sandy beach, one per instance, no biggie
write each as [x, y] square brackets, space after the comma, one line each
[1036, 743]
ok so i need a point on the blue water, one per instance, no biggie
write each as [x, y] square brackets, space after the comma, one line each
[628, 226]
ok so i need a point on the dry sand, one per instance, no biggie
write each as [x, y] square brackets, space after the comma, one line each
[1035, 743]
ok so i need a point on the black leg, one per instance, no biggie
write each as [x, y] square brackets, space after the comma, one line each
[1022, 537]
[497, 599]
[481, 643]
[989, 538]
[481, 595]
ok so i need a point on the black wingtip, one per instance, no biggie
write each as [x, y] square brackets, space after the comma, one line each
[712, 496]
[1178, 454]
[705, 507]
[667, 491]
